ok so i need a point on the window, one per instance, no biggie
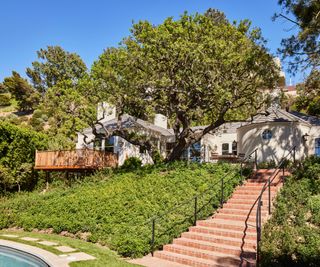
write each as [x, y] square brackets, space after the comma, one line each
[97, 144]
[142, 150]
[234, 148]
[109, 144]
[225, 149]
[317, 147]
[266, 134]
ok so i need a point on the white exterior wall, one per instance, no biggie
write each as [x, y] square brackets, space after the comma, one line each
[81, 143]
[212, 143]
[122, 148]
[284, 136]
[125, 150]
[313, 133]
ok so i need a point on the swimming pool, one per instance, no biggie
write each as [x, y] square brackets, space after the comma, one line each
[10, 257]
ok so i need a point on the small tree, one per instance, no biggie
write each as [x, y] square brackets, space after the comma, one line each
[22, 91]
[194, 70]
[54, 66]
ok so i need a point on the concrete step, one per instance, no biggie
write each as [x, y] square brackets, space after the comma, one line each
[254, 190]
[228, 225]
[243, 200]
[210, 246]
[246, 243]
[240, 211]
[188, 260]
[223, 232]
[241, 218]
[207, 254]
[245, 207]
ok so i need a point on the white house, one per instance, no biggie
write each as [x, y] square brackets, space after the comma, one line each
[272, 133]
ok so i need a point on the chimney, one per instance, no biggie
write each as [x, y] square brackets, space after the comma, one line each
[106, 111]
[161, 121]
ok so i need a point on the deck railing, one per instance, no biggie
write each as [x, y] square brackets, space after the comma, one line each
[74, 159]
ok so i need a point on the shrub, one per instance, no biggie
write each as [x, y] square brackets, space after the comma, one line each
[131, 164]
[292, 236]
[117, 210]
[5, 100]
[17, 152]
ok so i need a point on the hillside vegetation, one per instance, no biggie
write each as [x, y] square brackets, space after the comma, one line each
[113, 209]
[292, 236]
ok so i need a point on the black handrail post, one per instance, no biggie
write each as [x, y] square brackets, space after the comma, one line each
[269, 195]
[195, 210]
[153, 236]
[241, 170]
[222, 192]
[294, 154]
[255, 160]
[258, 230]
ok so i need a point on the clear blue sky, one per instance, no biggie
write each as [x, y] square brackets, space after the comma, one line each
[88, 27]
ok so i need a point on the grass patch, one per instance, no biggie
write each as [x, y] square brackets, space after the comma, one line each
[104, 256]
[115, 207]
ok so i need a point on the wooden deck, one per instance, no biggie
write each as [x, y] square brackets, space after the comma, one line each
[73, 160]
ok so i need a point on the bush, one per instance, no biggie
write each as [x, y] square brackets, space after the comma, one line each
[131, 164]
[267, 164]
[17, 152]
[5, 100]
[292, 236]
[116, 207]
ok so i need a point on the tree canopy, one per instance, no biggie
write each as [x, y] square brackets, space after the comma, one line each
[189, 69]
[26, 96]
[303, 48]
[309, 94]
[55, 65]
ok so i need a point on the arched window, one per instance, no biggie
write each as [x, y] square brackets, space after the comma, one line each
[266, 134]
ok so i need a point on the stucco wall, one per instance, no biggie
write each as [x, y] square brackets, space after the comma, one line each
[284, 136]
[213, 143]
[122, 148]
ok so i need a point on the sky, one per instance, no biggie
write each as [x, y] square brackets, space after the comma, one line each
[87, 27]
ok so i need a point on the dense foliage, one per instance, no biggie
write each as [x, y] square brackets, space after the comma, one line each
[198, 69]
[53, 66]
[17, 152]
[292, 236]
[302, 47]
[308, 99]
[26, 96]
[115, 208]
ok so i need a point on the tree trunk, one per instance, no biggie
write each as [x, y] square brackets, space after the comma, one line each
[177, 151]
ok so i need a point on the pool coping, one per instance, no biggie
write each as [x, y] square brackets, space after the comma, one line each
[50, 258]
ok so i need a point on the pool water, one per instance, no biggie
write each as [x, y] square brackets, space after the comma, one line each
[10, 257]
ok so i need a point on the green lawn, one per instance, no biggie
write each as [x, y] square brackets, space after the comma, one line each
[114, 208]
[104, 256]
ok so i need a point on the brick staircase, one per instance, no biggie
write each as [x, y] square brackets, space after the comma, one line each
[228, 238]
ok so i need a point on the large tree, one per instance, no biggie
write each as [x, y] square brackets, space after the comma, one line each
[308, 99]
[303, 47]
[55, 65]
[26, 96]
[189, 69]
[68, 107]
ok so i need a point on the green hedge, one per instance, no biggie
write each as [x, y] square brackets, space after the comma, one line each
[17, 152]
[115, 207]
[292, 236]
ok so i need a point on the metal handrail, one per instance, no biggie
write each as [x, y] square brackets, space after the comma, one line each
[194, 199]
[292, 152]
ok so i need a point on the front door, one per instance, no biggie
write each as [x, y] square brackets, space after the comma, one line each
[317, 147]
